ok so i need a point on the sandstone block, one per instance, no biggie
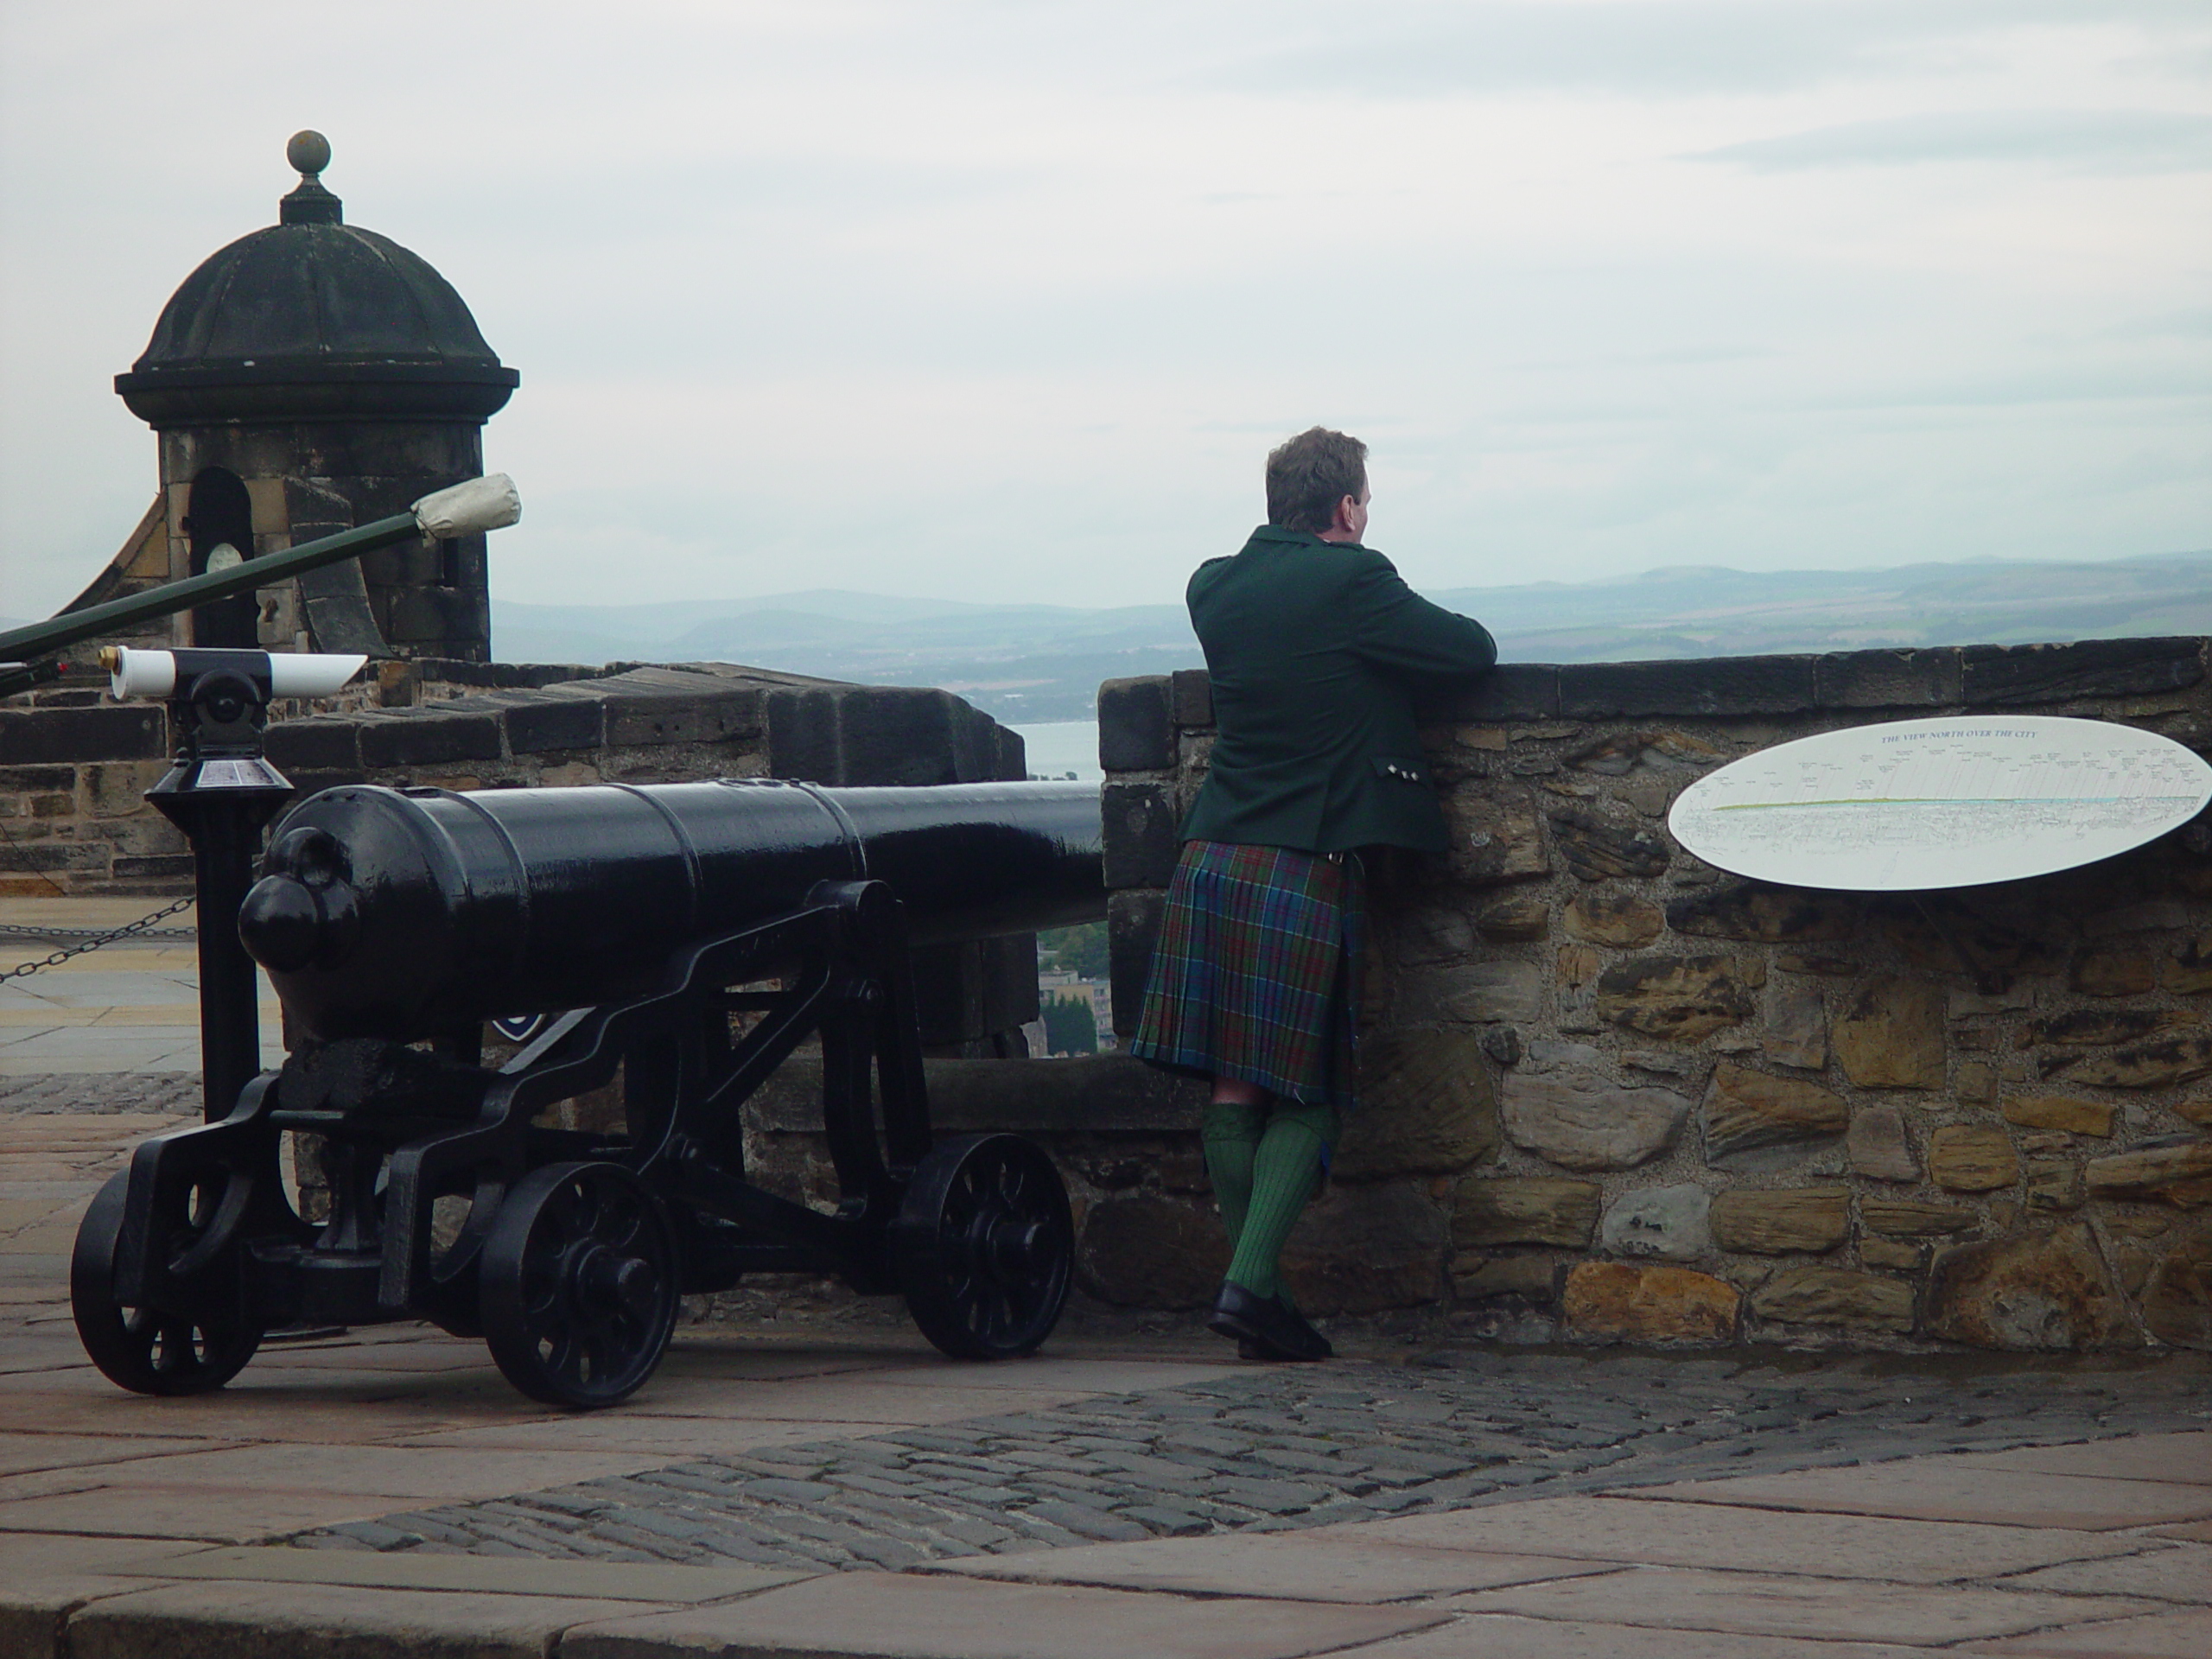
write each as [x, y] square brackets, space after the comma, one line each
[1747, 1111]
[1663, 1221]
[1811, 1218]
[2098, 1028]
[1889, 1035]
[1796, 1028]
[2159, 1065]
[2035, 1292]
[1877, 1145]
[1766, 915]
[1425, 1106]
[2180, 1175]
[1495, 834]
[2075, 1114]
[1578, 965]
[1894, 1253]
[1913, 1218]
[2189, 969]
[1530, 1278]
[1679, 999]
[1616, 1303]
[1472, 993]
[1431, 934]
[1148, 1251]
[1864, 1301]
[2112, 970]
[1975, 1083]
[2177, 1294]
[2053, 1185]
[1508, 920]
[1595, 846]
[1580, 1121]
[1360, 1249]
[1605, 915]
[1523, 1210]
[1972, 1157]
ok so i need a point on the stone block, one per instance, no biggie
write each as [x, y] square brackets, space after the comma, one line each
[1360, 1249]
[1614, 1301]
[712, 715]
[2160, 1065]
[1672, 1222]
[1774, 1223]
[1609, 917]
[1914, 1219]
[2179, 1174]
[1522, 916]
[1532, 1279]
[1862, 1301]
[1878, 1146]
[2001, 675]
[2112, 970]
[1580, 1120]
[2178, 1295]
[1190, 697]
[1975, 1082]
[1509, 691]
[319, 743]
[1888, 679]
[1425, 1106]
[1472, 993]
[1490, 1210]
[1889, 1035]
[1972, 1157]
[540, 725]
[426, 737]
[1764, 915]
[2031, 1291]
[2189, 971]
[1897, 1255]
[1139, 820]
[1711, 685]
[1495, 834]
[1596, 846]
[2051, 1185]
[1136, 732]
[1150, 1251]
[1796, 1031]
[1746, 1112]
[1132, 925]
[2075, 1114]
[122, 731]
[1431, 933]
[2098, 1028]
[1679, 999]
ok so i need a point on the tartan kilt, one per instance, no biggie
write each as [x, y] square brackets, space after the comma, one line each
[1255, 973]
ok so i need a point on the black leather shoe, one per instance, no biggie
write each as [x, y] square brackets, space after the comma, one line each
[1272, 1329]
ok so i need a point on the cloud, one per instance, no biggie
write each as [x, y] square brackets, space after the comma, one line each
[2095, 141]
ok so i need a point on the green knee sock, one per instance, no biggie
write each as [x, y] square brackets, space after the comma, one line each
[1231, 1135]
[1285, 1173]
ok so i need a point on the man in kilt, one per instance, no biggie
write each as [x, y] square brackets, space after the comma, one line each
[1316, 646]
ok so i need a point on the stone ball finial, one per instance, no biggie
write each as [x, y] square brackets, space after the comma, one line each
[308, 152]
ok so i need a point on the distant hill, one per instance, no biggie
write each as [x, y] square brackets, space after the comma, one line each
[1037, 662]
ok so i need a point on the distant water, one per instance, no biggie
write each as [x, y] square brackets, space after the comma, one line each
[1063, 746]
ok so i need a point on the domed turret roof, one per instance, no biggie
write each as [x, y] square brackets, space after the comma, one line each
[314, 319]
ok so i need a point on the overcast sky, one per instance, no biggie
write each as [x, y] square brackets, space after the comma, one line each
[1008, 301]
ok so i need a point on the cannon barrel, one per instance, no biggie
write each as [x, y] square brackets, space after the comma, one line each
[404, 913]
[474, 505]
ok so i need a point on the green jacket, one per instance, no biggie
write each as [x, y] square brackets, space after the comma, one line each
[1315, 650]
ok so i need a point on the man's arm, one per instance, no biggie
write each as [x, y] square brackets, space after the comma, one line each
[1400, 632]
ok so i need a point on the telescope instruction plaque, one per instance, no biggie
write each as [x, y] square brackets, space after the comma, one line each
[1950, 803]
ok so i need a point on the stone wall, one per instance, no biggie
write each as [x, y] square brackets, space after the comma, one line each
[1613, 1094]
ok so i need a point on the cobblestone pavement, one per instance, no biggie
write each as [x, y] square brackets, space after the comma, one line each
[124, 1091]
[1294, 1448]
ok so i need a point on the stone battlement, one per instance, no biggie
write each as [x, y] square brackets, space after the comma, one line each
[1614, 1094]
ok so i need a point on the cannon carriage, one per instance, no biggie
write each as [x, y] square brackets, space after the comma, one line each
[685, 938]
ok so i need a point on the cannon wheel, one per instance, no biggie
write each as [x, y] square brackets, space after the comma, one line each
[138, 1348]
[983, 1246]
[577, 1287]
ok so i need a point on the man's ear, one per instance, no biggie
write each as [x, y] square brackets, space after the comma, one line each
[1347, 510]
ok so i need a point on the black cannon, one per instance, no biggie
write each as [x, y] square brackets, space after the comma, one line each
[686, 938]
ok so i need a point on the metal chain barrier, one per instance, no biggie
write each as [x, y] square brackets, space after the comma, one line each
[143, 925]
